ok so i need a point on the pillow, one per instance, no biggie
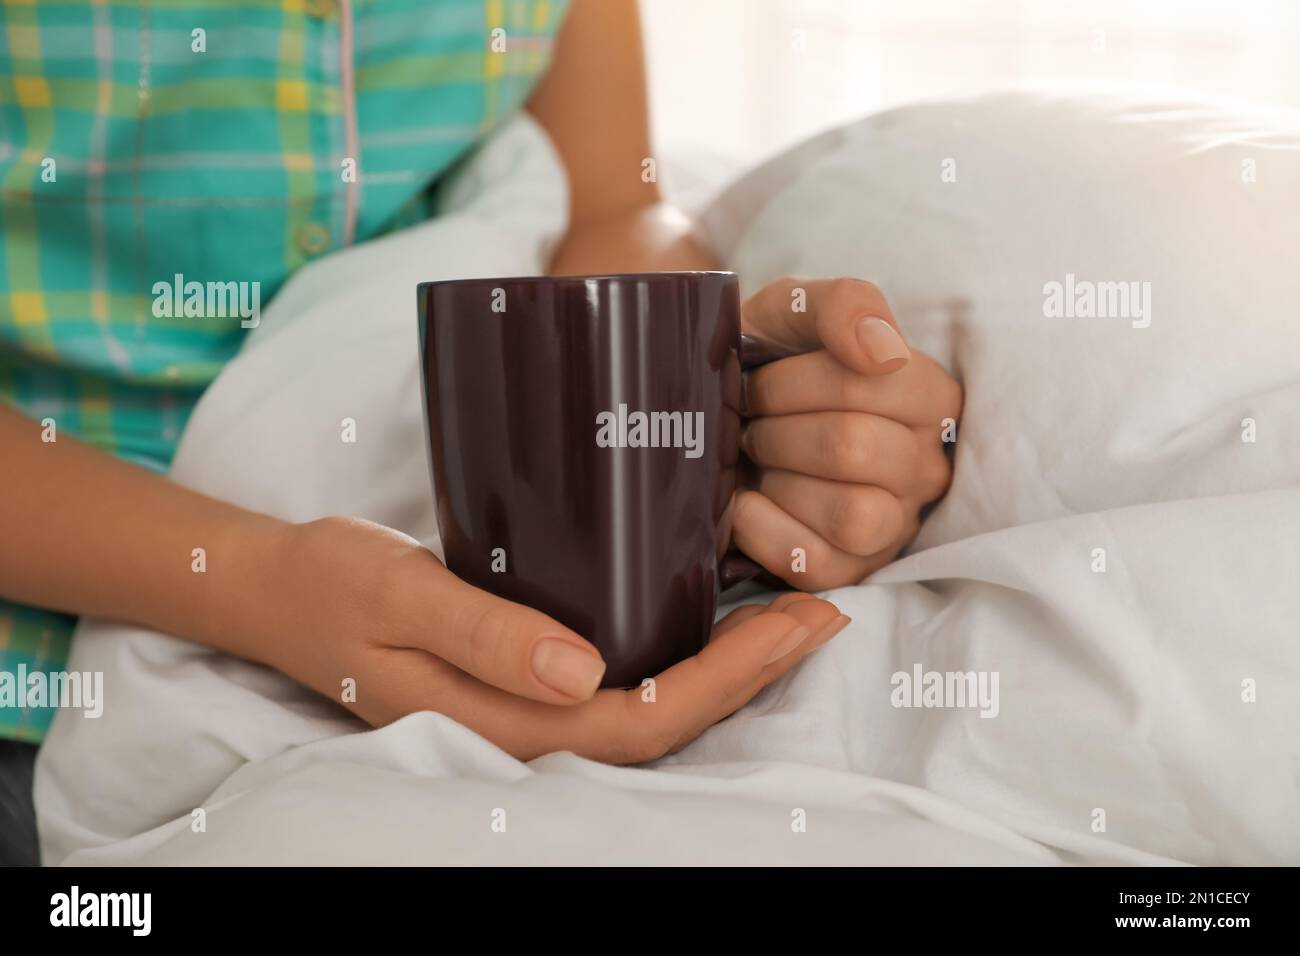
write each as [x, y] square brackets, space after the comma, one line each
[1112, 277]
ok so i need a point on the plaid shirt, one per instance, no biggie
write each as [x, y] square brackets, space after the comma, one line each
[184, 141]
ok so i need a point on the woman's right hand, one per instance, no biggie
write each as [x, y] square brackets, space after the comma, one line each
[352, 599]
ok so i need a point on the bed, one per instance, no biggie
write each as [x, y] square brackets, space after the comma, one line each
[1121, 545]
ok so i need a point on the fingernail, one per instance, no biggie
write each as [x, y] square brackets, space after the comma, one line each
[880, 341]
[788, 644]
[567, 669]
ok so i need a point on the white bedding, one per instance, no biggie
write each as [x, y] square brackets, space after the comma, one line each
[1119, 691]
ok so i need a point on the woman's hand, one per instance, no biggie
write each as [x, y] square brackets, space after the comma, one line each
[848, 437]
[351, 599]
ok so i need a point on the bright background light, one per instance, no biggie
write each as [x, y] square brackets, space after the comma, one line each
[728, 82]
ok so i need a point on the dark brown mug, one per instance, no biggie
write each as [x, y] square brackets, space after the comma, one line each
[584, 439]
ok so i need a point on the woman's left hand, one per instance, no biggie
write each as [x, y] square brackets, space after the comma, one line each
[848, 437]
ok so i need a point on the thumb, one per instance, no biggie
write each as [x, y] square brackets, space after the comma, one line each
[510, 646]
[848, 317]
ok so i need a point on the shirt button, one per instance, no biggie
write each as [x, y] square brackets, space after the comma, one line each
[322, 9]
[313, 238]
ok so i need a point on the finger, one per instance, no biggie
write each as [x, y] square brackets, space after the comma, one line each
[857, 519]
[842, 446]
[769, 535]
[820, 636]
[612, 726]
[508, 645]
[732, 668]
[746, 611]
[609, 726]
[921, 393]
[415, 681]
[738, 616]
[783, 601]
[849, 317]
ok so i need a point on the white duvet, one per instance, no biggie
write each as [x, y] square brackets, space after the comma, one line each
[1120, 546]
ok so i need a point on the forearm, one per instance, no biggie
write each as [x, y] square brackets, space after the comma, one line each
[88, 534]
[593, 105]
[650, 238]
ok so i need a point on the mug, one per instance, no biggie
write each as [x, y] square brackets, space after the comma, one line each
[584, 440]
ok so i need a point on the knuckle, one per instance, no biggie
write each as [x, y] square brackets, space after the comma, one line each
[734, 692]
[826, 577]
[895, 520]
[847, 292]
[908, 527]
[487, 635]
[625, 751]
[650, 743]
[683, 741]
[935, 473]
[787, 284]
[386, 596]
[855, 516]
[847, 444]
[819, 572]
[645, 735]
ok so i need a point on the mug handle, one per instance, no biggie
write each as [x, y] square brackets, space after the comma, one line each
[735, 568]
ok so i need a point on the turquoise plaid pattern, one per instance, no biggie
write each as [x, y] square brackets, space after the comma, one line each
[211, 140]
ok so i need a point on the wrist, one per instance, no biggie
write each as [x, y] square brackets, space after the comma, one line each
[656, 237]
[239, 613]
